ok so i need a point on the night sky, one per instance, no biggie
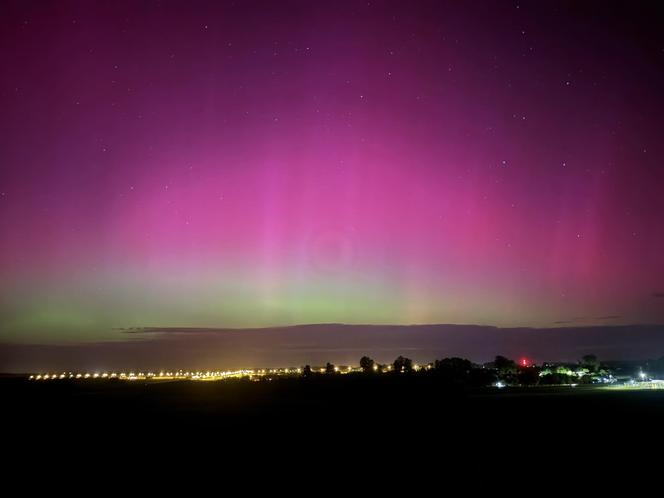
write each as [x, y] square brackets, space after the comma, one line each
[255, 164]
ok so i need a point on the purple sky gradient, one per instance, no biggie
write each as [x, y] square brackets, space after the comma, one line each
[249, 164]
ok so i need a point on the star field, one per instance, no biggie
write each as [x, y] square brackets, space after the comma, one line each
[244, 164]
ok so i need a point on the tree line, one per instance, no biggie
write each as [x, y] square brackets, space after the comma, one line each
[461, 371]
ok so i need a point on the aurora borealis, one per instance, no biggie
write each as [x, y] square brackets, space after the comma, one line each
[258, 164]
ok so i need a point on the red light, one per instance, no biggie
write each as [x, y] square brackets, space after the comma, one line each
[524, 362]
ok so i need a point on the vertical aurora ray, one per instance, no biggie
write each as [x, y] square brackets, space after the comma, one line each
[256, 165]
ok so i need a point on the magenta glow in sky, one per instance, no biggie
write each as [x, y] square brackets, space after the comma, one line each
[243, 164]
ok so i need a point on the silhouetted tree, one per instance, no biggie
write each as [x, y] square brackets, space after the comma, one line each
[505, 366]
[329, 368]
[590, 362]
[454, 370]
[306, 371]
[528, 376]
[367, 364]
[402, 364]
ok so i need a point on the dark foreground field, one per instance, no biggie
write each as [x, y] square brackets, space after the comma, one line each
[329, 411]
